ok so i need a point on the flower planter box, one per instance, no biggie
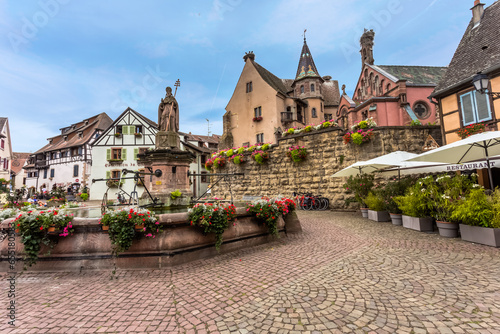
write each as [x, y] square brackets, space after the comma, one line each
[396, 219]
[364, 212]
[379, 216]
[481, 235]
[418, 224]
[447, 230]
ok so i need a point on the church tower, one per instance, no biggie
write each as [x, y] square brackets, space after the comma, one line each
[366, 43]
[307, 88]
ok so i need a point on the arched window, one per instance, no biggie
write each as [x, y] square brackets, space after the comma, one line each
[289, 109]
[388, 87]
[314, 113]
[375, 86]
[312, 87]
[381, 88]
[359, 97]
[302, 89]
[370, 82]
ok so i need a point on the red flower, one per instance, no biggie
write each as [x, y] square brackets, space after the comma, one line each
[41, 228]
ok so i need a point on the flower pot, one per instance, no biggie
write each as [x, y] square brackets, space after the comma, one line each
[447, 230]
[418, 224]
[397, 219]
[378, 216]
[51, 229]
[105, 228]
[364, 212]
[139, 227]
[481, 235]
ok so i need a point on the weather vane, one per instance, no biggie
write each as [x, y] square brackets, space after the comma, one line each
[305, 34]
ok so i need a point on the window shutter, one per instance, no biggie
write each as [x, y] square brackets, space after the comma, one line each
[467, 111]
[108, 154]
[136, 151]
[124, 154]
[483, 107]
[108, 174]
[131, 129]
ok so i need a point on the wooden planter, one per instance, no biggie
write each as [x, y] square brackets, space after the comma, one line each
[481, 235]
[418, 224]
[396, 219]
[379, 216]
[447, 230]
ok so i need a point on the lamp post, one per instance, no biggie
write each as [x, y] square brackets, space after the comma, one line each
[481, 83]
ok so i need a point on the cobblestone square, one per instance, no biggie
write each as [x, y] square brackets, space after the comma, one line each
[343, 274]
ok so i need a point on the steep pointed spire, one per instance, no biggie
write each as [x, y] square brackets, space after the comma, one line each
[306, 68]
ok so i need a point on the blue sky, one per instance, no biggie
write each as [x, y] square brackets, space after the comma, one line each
[62, 61]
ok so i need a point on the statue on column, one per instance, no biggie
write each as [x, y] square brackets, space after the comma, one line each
[168, 113]
[168, 121]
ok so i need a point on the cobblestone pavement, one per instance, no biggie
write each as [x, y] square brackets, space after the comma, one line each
[343, 274]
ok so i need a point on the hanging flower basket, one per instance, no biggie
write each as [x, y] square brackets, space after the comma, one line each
[257, 119]
[297, 153]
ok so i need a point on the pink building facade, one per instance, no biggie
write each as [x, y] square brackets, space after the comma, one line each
[391, 95]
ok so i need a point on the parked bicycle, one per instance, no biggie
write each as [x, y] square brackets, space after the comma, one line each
[308, 201]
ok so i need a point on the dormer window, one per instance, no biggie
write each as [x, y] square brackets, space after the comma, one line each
[80, 134]
[87, 122]
[65, 138]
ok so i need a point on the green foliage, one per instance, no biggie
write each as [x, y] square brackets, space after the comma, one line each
[175, 194]
[252, 148]
[213, 218]
[476, 209]
[415, 123]
[363, 125]
[241, 150]
[122, 226]
[341, 159]
[58, 193]
[230, 153]
[308, 128]
[238, 159]
[260, 157]
[495, 203]
[265, 147]
[360, 186]
[416, 202]
[357, 138]
[326, 124]
[84, 196]
[375, 202]
[393, 189]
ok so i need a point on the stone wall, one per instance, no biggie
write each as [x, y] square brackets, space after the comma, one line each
[327, 155]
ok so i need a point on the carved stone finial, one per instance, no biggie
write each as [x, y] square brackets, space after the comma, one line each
[343, 90]
[249, 55]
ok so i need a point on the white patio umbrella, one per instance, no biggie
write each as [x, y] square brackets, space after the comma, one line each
[388, 160]
[476, 147]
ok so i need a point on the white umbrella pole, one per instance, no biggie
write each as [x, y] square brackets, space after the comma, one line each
[490, 176]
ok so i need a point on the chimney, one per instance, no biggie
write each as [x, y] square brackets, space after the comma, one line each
[477, 12]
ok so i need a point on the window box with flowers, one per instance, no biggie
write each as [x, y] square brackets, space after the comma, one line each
[36, 227]
[213, 218]
[260, 157]
[297, 153]
[358, 137]
[123, 225]
[472, 129]
[237, 159]
[114, 183]
[118, 135]
[257, 119]
[138, 134]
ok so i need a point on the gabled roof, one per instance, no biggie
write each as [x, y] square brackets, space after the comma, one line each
[213, 139]
[306, 67]
[273, 81]
[3, 120]
[478, 51]
[414, 75]
[86, 127]
[18, 161]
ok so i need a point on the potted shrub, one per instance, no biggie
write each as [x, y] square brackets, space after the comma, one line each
[478, 215]
[360, 186]
[269, 210]
[391, 190]
[446, 193]
[377, 210]
[417, 206]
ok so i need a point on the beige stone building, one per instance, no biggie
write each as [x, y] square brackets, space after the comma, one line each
[263, 105]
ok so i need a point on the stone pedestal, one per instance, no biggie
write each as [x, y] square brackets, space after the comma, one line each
[174, 165]
[167, 140]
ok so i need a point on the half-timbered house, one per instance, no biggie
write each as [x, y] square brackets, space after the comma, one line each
[65, 161]
[117, 149]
